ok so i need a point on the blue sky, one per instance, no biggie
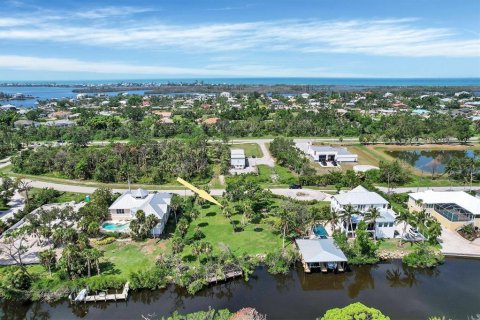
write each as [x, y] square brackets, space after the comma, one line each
[69, 40]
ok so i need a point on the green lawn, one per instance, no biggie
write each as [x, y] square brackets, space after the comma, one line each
[64, 196]
[392, 245]
[254, 239]
[127, 257]
[283, 175]
[251, 149]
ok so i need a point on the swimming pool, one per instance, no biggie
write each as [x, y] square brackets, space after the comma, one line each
[319, 231]
[116, 226]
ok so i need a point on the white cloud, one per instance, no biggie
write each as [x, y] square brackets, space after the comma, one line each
[31, 63]
[111, 11]
[100, 27]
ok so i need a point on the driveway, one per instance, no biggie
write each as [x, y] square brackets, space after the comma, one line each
[454, 244]
[16, 204]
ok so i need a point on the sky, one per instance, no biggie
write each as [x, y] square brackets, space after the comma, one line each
[79, 40]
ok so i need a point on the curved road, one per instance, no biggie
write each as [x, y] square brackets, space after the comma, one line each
[300, 194]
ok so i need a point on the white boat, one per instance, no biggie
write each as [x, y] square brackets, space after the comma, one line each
[81, 295]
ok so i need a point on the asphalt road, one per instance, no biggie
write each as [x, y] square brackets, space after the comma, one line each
[420, 189]
[300, 194]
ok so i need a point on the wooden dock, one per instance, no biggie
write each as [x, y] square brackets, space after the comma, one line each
[104, 297]
[228, 275]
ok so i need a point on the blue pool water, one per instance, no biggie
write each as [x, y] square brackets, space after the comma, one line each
[115, 227]
[320, 231]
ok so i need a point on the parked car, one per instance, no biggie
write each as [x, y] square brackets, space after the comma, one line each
[294, 186]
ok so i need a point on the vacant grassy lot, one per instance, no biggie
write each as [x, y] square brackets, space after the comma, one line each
[258, 238]
[251, 149]
[126, 257]
[64, 196]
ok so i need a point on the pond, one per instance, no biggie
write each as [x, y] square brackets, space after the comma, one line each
[450, 290]
[430, 160]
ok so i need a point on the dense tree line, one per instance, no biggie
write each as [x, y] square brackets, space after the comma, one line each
[156, 162]
[289, 156]
[251, 120]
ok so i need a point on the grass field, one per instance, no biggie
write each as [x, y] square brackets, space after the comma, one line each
[64, 197]
[254, 239]
[126, 257]
[251, 149]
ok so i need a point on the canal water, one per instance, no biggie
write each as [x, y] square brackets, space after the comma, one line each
[431, 160]
[451, 290]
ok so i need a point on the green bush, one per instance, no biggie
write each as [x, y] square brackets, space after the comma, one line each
[354, 311]
[280, 262]
[154, 278]
[211, 314]
[15, 284]
[423, 256]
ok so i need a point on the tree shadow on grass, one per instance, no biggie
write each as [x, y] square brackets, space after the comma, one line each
[107, 267]
[203, 224]
[258, 229]
[211, 214]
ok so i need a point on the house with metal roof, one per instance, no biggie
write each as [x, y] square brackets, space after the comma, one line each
[322, 254]
[126, 206]
[331, 154]
[363, 200]
[453, 209]
[238, 159]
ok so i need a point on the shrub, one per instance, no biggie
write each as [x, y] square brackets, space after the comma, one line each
[423, 256]
[104, 241]
[354, 311]
[153, 278]
[196, 285]
[211, 314]
[280, 262]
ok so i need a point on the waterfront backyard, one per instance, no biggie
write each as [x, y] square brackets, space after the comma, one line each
[297, 295]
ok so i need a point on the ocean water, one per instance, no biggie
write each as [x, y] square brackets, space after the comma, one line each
[285, 80]
[41, 90]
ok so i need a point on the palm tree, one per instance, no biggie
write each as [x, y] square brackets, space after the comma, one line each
[285, 220]
[96, 255]
[197, 249]
[247, 212]
[175, 205]
[472, 165]
[419, 219]
[88, 259]
[347, 213]
[372, 215]
[228, 212]
[332, 218]
[23, 185]
[207, 248]
[403, 217]
[434, 229]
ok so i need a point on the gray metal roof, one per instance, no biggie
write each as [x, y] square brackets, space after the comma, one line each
[320, 250]
[341, 151]
[140, 193]
[359, 196]
[237, 153]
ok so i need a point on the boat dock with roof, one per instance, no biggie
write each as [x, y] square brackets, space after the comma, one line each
[321, 254]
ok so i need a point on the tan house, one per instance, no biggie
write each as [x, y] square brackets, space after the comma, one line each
[453, 209]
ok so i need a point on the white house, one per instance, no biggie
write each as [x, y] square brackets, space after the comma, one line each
[331, 154]
[238, 159]
[452, 209]
[363, 200]
[158, 204]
